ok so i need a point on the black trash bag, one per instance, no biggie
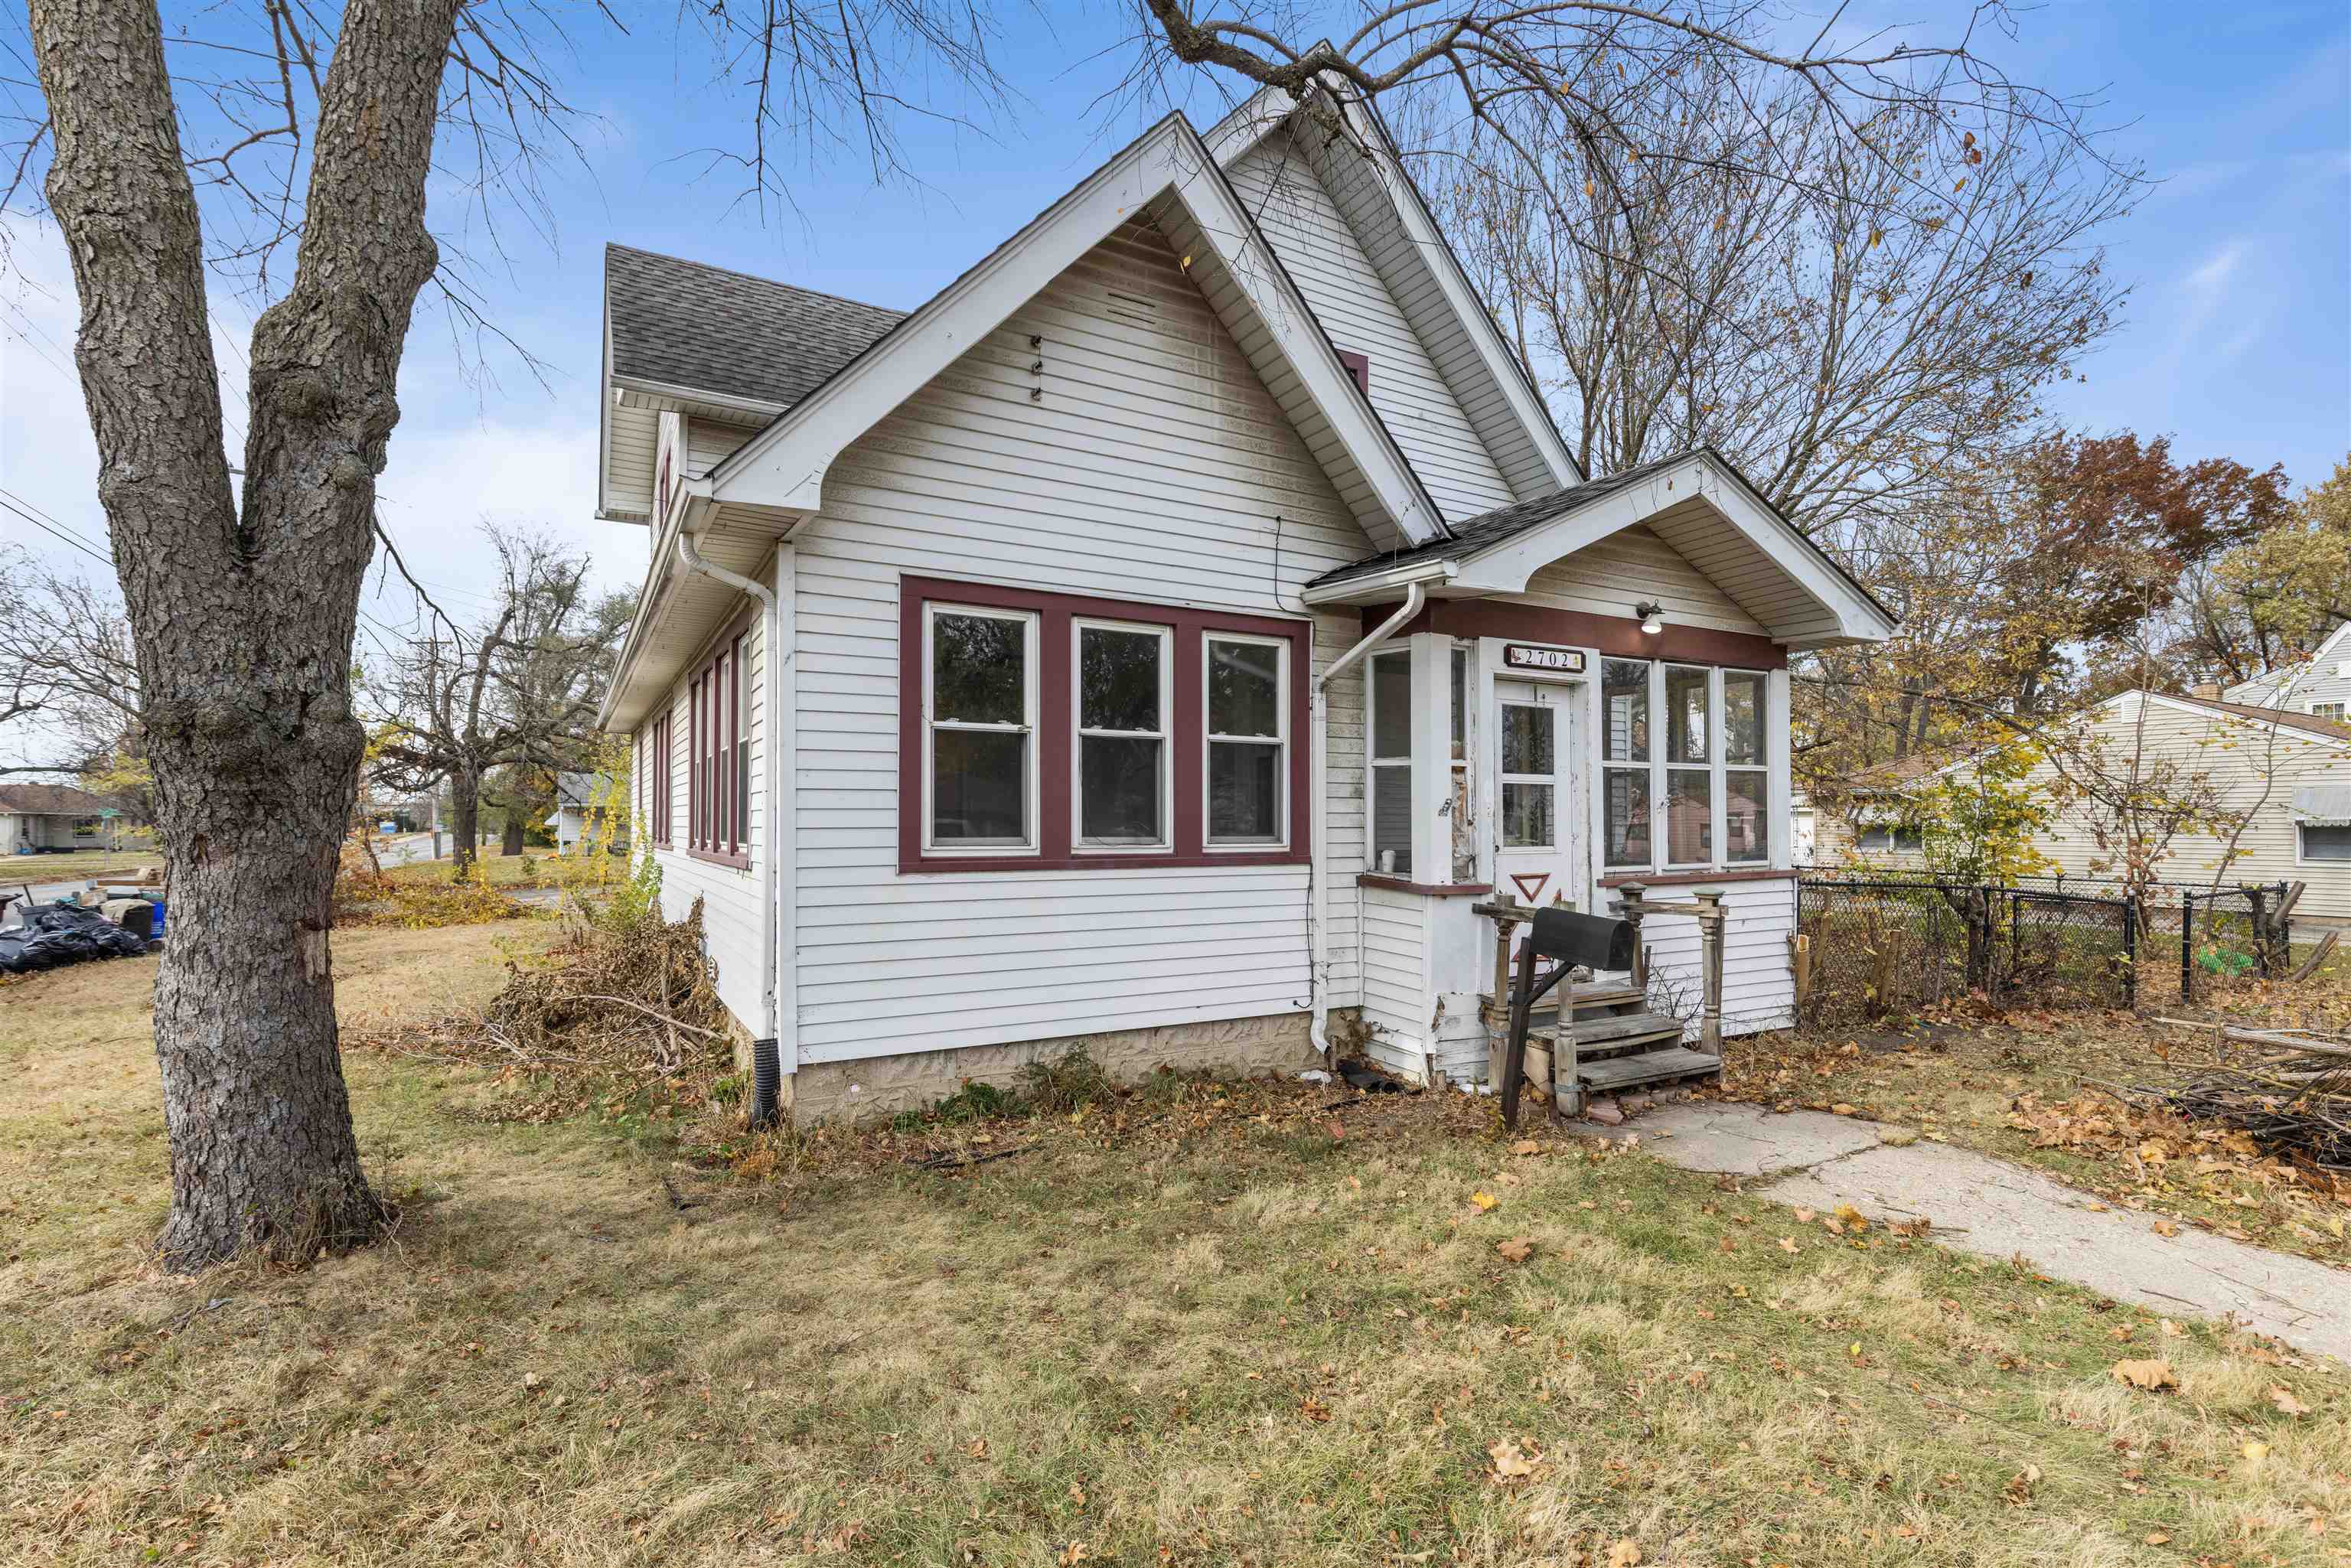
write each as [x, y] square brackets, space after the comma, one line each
[65, 933]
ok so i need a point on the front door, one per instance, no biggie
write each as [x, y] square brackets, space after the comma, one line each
[1537, 837]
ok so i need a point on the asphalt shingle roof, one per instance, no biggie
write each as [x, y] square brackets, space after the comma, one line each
[687, 324]
[49, 799]
[1489, 528]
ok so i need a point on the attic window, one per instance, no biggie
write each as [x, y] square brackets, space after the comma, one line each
[1360, 367]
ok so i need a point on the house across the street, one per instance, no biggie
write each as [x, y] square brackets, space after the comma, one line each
[2282, 771]
[1165, 637]
[37, 818]
[586, 802]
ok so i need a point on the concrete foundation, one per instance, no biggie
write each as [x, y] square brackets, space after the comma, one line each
[885, 1085]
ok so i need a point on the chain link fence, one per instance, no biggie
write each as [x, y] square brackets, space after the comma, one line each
[1882, 942]
[1874, 947]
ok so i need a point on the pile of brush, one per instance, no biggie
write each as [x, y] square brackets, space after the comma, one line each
[2288, 1089]
[638, 1002]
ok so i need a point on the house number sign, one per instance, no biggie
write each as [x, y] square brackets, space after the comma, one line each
[1535, 656]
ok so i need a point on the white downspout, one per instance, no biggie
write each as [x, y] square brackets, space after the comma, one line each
[1318, 724]
[770, 662]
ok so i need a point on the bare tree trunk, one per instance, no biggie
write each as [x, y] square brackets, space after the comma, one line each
[243, 619]
[466, 810]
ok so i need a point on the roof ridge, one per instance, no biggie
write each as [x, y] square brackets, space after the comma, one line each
[761, 278]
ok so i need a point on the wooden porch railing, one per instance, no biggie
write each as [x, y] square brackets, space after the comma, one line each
[1705, 906]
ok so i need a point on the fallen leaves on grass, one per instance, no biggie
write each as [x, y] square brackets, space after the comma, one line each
[1512, 1465]
[2149, 1374]
[1517, 1249]
[1624, 1553]
[1484, 1200]
[2283, 1399]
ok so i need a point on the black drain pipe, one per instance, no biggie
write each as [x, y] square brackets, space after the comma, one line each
[767, 1083]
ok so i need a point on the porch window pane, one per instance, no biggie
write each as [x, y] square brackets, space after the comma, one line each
[1747, 814]
[1120, 786]
[1625, 710]
[1460, 704]
[978, 668]
[1742, 718]
[1391, 706]
[1627, 791]
[1244, 792]
[979, 791]
[1526, 739]
[1244, 688]
[1689, 815]
[1392, 819]
[1526, 816]
[1685, 714]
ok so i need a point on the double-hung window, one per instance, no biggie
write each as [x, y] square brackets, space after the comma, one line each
[1624, 762]
[979, 706]
[1124, 712]
[1391, 748]
[659, 804]
[718, 754]
[1053, 731]
[1248, 739]
[1696, 791]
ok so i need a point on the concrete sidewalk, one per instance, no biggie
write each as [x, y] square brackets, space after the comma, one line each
[1978, 1204]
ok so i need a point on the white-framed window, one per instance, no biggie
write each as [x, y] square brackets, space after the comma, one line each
[979, 729]
[1390, 745]
[1900, 839]
[1746, 771]
[2327, 710]
[1121, 766]
[2323, 843]
[1693, 789]
[1245, 685]
[1529, 771]
[1627, 841]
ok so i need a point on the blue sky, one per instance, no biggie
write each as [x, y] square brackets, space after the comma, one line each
[2236, 339]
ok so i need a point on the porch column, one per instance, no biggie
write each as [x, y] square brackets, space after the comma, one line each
[1432, 756]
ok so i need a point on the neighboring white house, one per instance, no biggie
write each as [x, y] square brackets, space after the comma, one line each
[1163, 637]
[579, 799]
[2286, 774]
[34, 818]
[2319, 685]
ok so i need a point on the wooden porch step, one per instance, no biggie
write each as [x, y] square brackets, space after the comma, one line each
[1647, 1067]
[1592, 999]
[1613, 1030]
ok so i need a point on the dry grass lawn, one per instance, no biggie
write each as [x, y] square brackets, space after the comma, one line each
[1196, 1329]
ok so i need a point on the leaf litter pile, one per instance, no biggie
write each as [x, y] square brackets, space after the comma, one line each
[616, 1021]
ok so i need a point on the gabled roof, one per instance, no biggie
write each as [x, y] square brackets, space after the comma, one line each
[689, 326]
[49, 800]
[1168, 174]
[2284, 719]
[1695, 501]
[2334, 648]
[1420, 270]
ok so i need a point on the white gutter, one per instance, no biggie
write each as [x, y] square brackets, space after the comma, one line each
[1356, 590]
[1317, 724]
[770, 664]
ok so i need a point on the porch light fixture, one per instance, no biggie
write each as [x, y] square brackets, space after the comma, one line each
[1653, 617]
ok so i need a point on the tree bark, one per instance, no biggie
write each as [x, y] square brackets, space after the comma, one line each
[466, 810]
[243, 617]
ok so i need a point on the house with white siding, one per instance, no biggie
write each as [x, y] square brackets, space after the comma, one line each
[2269, 790]
[2319, 685]
[1163, 639]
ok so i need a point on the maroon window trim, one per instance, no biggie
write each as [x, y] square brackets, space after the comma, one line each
[662, 800]
[718, 824]
[1360, 367]
[1057, 729]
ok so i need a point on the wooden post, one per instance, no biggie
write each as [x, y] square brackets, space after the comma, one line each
[1631, 895]
[1502, 933]
[2187, 946]
[2258, 897]
[1710, 922]
[1803, 966]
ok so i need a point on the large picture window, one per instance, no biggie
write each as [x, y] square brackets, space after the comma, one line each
[2324, 841]
[1046, 730]
[1704, 775]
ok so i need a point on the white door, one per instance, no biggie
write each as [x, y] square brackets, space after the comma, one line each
[1538, 830]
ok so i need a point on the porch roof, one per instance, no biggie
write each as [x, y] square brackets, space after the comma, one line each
[1694, 501]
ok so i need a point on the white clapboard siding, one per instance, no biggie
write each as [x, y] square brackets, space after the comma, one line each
[708, 441]
[1323, 252]
[730, 895]
[1614, 574]
[1396, 998]
[1154, 466]
[1758, 980]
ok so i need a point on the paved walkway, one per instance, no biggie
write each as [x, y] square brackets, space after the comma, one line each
[1976, 1203]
